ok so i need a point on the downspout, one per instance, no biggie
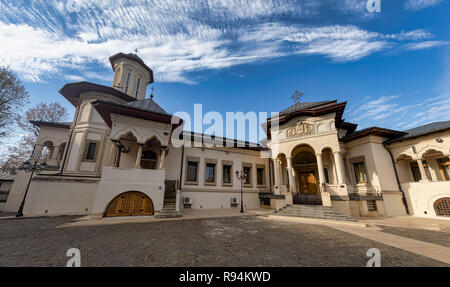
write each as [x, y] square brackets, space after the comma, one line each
[270, 175]
[181, 167]
[405, 203]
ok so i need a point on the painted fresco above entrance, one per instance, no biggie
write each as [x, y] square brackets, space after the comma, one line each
[300, 129]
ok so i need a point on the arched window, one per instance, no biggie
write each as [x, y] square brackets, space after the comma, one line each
[128, 83]
[47, 151]
[149, 159]
[137, 87]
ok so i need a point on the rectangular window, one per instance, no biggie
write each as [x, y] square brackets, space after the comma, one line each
[247, 175]
[192, 168]
[372, 205]
[444, 167]
[128, 83]
[210, 173]
[327, 177]
[260, 176]
[416, 170]
[137, 88]
[226, 175]
[360, 172]
[91, 148]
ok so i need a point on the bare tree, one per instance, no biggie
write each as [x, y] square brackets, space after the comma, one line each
[13, 96]
[22, 150]
[52, 113]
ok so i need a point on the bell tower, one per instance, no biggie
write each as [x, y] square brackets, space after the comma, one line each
[131, 75]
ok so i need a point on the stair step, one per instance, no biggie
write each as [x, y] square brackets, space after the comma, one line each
[313, 211]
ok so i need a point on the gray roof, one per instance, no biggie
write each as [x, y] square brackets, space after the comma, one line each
[6, 177]
[423, 130]
[52, 124]
[148, 105]
[303, 106]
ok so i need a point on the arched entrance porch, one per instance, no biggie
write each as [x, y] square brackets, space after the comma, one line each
[306, 189]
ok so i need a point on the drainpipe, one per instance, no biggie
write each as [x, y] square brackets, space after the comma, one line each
[181, 167]
[405, 203]
[270, 175]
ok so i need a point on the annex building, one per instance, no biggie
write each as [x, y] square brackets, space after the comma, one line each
[117, 158]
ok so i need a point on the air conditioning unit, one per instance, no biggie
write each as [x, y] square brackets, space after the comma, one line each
[234, 201]
[187, 201]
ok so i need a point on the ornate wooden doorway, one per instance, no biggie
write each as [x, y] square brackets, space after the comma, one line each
[307, 192]
[307, 188]
[130, 203]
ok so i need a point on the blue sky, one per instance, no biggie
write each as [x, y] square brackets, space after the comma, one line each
[392, 67]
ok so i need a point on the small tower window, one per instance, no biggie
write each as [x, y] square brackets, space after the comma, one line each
[137, 87]
[128, 83]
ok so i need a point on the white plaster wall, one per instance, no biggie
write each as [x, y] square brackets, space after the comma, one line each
[173, 163]
[115, 181]
[16, 192]
[212, 200]
[421, 196]
[54, 197]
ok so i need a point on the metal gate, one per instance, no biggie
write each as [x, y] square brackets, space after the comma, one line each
[310, 199]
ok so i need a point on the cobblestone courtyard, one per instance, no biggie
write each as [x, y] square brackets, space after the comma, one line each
[233, 241]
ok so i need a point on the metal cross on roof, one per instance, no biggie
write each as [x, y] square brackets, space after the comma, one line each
[297, 96]
[136, 51]
[151, 93]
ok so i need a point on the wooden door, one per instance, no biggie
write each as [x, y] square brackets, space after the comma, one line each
[131, 203]
[308, 183]
[308, 190]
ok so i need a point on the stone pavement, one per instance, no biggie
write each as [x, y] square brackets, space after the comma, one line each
[411, 222]
[226, 241]
[375, 233]
[188, 214]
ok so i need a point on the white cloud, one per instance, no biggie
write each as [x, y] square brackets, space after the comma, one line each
[424, 45]
[174, 37]
[421, 4]
[397, 113]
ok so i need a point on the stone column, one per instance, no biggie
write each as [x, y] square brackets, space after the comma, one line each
[112, 154]
[38, 152]
[163, 158]
[339, 166]
[291, 176]
[280, 172]
[422, 170]
[138, 157]
[320, 168]
[276, 171]
[325, 195]
[55, 153]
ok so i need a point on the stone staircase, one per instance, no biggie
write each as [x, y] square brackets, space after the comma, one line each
[170, 198]
[313, 211]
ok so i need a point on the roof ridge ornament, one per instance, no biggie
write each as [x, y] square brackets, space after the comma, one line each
[151, 93]
[297, 96]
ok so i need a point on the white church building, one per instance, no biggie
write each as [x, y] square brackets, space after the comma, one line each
[118, 158]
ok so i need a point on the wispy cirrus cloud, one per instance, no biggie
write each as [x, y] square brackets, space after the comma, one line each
[421, 4]
[394, 112]
[424, 45]
[176, 37]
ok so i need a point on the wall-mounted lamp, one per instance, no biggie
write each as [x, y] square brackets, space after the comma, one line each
[439, 140]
